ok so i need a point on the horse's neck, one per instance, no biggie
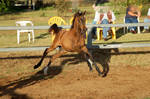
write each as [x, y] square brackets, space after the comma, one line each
[76, 28]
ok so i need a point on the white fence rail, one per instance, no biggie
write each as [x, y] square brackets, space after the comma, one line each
[68, 26]
[101, 46]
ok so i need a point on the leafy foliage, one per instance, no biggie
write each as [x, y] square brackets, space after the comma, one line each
[5, 5]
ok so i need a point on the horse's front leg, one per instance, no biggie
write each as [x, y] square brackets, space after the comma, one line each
[88, 61]
[91, 60]
[60, 53]
[47, 50]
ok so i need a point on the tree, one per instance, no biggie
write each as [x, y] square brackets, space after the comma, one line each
[5, 5]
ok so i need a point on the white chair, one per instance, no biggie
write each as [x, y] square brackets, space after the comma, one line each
[138, 28]
[23, 24]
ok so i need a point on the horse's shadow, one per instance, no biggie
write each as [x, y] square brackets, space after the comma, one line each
[100, 56]
[27, 81]
[42, 36]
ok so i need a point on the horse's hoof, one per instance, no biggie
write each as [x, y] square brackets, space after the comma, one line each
[102, 74]
[91, 70]
[36, 66]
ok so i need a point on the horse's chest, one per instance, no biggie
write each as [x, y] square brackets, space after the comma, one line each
[72, 42]
[78, 43]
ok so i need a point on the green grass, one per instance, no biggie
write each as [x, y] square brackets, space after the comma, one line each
[42, 38]
[9, 39]
[128, 38]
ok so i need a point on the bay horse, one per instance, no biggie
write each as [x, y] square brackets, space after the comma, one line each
[72, 40]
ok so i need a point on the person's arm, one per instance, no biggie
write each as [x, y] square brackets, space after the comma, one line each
[132, 14]
[109, 16]
[148, 14]
[139, 13]
[113, 17]
[101, 17]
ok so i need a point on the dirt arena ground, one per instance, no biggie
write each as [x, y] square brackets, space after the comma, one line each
[70, 78]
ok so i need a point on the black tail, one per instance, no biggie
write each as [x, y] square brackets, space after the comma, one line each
[54, 28]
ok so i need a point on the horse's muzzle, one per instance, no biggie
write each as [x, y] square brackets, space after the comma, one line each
[85, 29]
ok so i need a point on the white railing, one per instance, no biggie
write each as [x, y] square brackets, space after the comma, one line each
[68, 26]
[89, 43]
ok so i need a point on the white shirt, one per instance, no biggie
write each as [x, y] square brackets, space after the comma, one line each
[97, 15]
[148, 14]
[113, 16]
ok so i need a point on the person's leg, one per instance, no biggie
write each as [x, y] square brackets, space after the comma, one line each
[131, 20]
[90, 33]
[128, 20]
[134, 20]
[94, 28]
[94, 22]
[105, 29]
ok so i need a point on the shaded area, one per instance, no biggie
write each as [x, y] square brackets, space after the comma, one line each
[122, 31]
[101, 2]
[28, 81]
[76, 56]
[121, 42]
[42, 36]
[16, 6]
[131, 41]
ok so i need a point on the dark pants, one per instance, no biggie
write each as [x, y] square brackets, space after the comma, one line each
[94, 28]
[131, 20]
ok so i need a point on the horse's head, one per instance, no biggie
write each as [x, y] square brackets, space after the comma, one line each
[80, 21]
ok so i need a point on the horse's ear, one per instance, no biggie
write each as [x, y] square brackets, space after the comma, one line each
[79, 12]
[84, 12]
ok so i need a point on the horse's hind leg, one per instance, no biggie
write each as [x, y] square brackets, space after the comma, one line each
[91, 60]
[60, 53]
[47, 50]
[105, 69]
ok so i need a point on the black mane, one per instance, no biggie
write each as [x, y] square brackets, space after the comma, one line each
[72, 26]
[79, 13]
